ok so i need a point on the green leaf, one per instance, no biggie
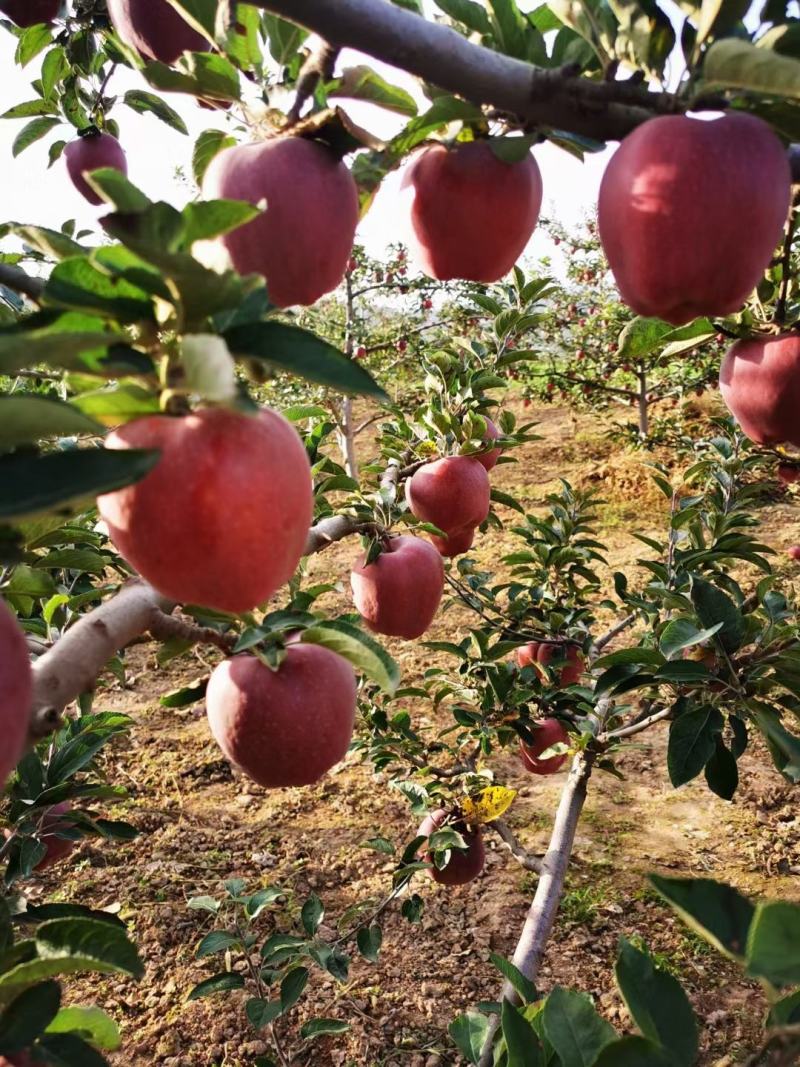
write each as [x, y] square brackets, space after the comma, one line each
[28, 109]
[322, 1028]
[285, 38]
[657, 1004]
[217, 941]
[186, 695]
[736, 64]
[469, 1033]
[203, 74]
[363, 83]
[115, 189]
[713, 606]
[28, 1015]
[773, 944]
[23, 346]
[522, 1043]
[93, 1023]
[70, 1050]
[785, 1012]
[301, 352]
[210, 218]
[523, 985]
[468, 13]
[715, 911]
[77, 283]
[641, 337]
[31, 133]
[64, 482]
[443, 111]
[219, 983]
[364, 652]
[311, 914]
[573, 1027]
[25, 419]
[209, 144]
[783, 745]
[633, 1052]
[681, 633]
[261, 1013]
[292, 987]
[31, 42]
[141, 101]
[722, 772]
[369, 940]
[692, 740]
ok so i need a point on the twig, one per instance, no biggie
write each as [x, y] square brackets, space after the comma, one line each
[318, 67]
[609, 636]
[786, 270]
[637, 727]
[506, 835]
[168, 627]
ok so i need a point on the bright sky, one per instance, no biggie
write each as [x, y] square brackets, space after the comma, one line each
[159, 157]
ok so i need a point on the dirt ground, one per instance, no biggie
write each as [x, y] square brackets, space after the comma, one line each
[201, 824]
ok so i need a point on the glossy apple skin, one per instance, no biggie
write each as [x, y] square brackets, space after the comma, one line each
[25, 13]
[690, 212]
[542, 654]
[455, 544]
[16, 685]
[549, 732]
[91, 153]
[470, 214]
[285, 727]
[452, 493]
[399, 593]
[488, 460]
[302, 242]
[222, 518]
[58, 848]
[760, 382]
[462, 867]
[155, 29]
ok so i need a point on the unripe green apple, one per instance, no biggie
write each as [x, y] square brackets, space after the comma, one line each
[690, 212]
[91, 152]
[760, 382]
[471, 214]
[283, 727]
[155, 29]
[302, 241]
[462, 867]
[547, 733]
[222, 518]
[16, 684]
[398, 594]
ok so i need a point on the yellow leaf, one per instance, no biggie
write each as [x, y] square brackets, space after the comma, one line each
[487, 805]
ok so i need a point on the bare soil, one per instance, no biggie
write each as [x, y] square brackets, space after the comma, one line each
[201, 823]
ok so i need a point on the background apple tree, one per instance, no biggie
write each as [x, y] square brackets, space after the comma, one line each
[395, 386]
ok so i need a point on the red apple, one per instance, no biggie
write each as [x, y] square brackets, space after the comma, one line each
[542, 653]
[471, 214]
[547, 733]
[155, 29]
[402, 345]
[283, 727]
[361, 352]
[16, 684]
[91, 152]
[399, 593]
[58, 848]
[25, 13]
[690, 212]
[760, 383]
[794, 552]
[452, 493]
[489, 459]
[20, 1059]
[787, 474]
[462, 867]
[222, 518]
[456, 543]
[301, 243]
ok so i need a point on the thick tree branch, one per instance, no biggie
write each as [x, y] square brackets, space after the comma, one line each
[17, 279]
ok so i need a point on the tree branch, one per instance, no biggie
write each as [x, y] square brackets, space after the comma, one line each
[168, 627]
[506, 835]
[637, 727]
[609, 636]
[17, 279]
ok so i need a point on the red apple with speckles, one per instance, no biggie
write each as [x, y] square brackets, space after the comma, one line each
[399, 593]
[155, 29]
[25, 13]
[284, 727]
[547, 733]
[760, 383]
[471, 214]
[690, 212]
[222, 518]
[92, 152]
[58, 848]
[16, 683]
[463, 866]
[452, 493]
[302, 240]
